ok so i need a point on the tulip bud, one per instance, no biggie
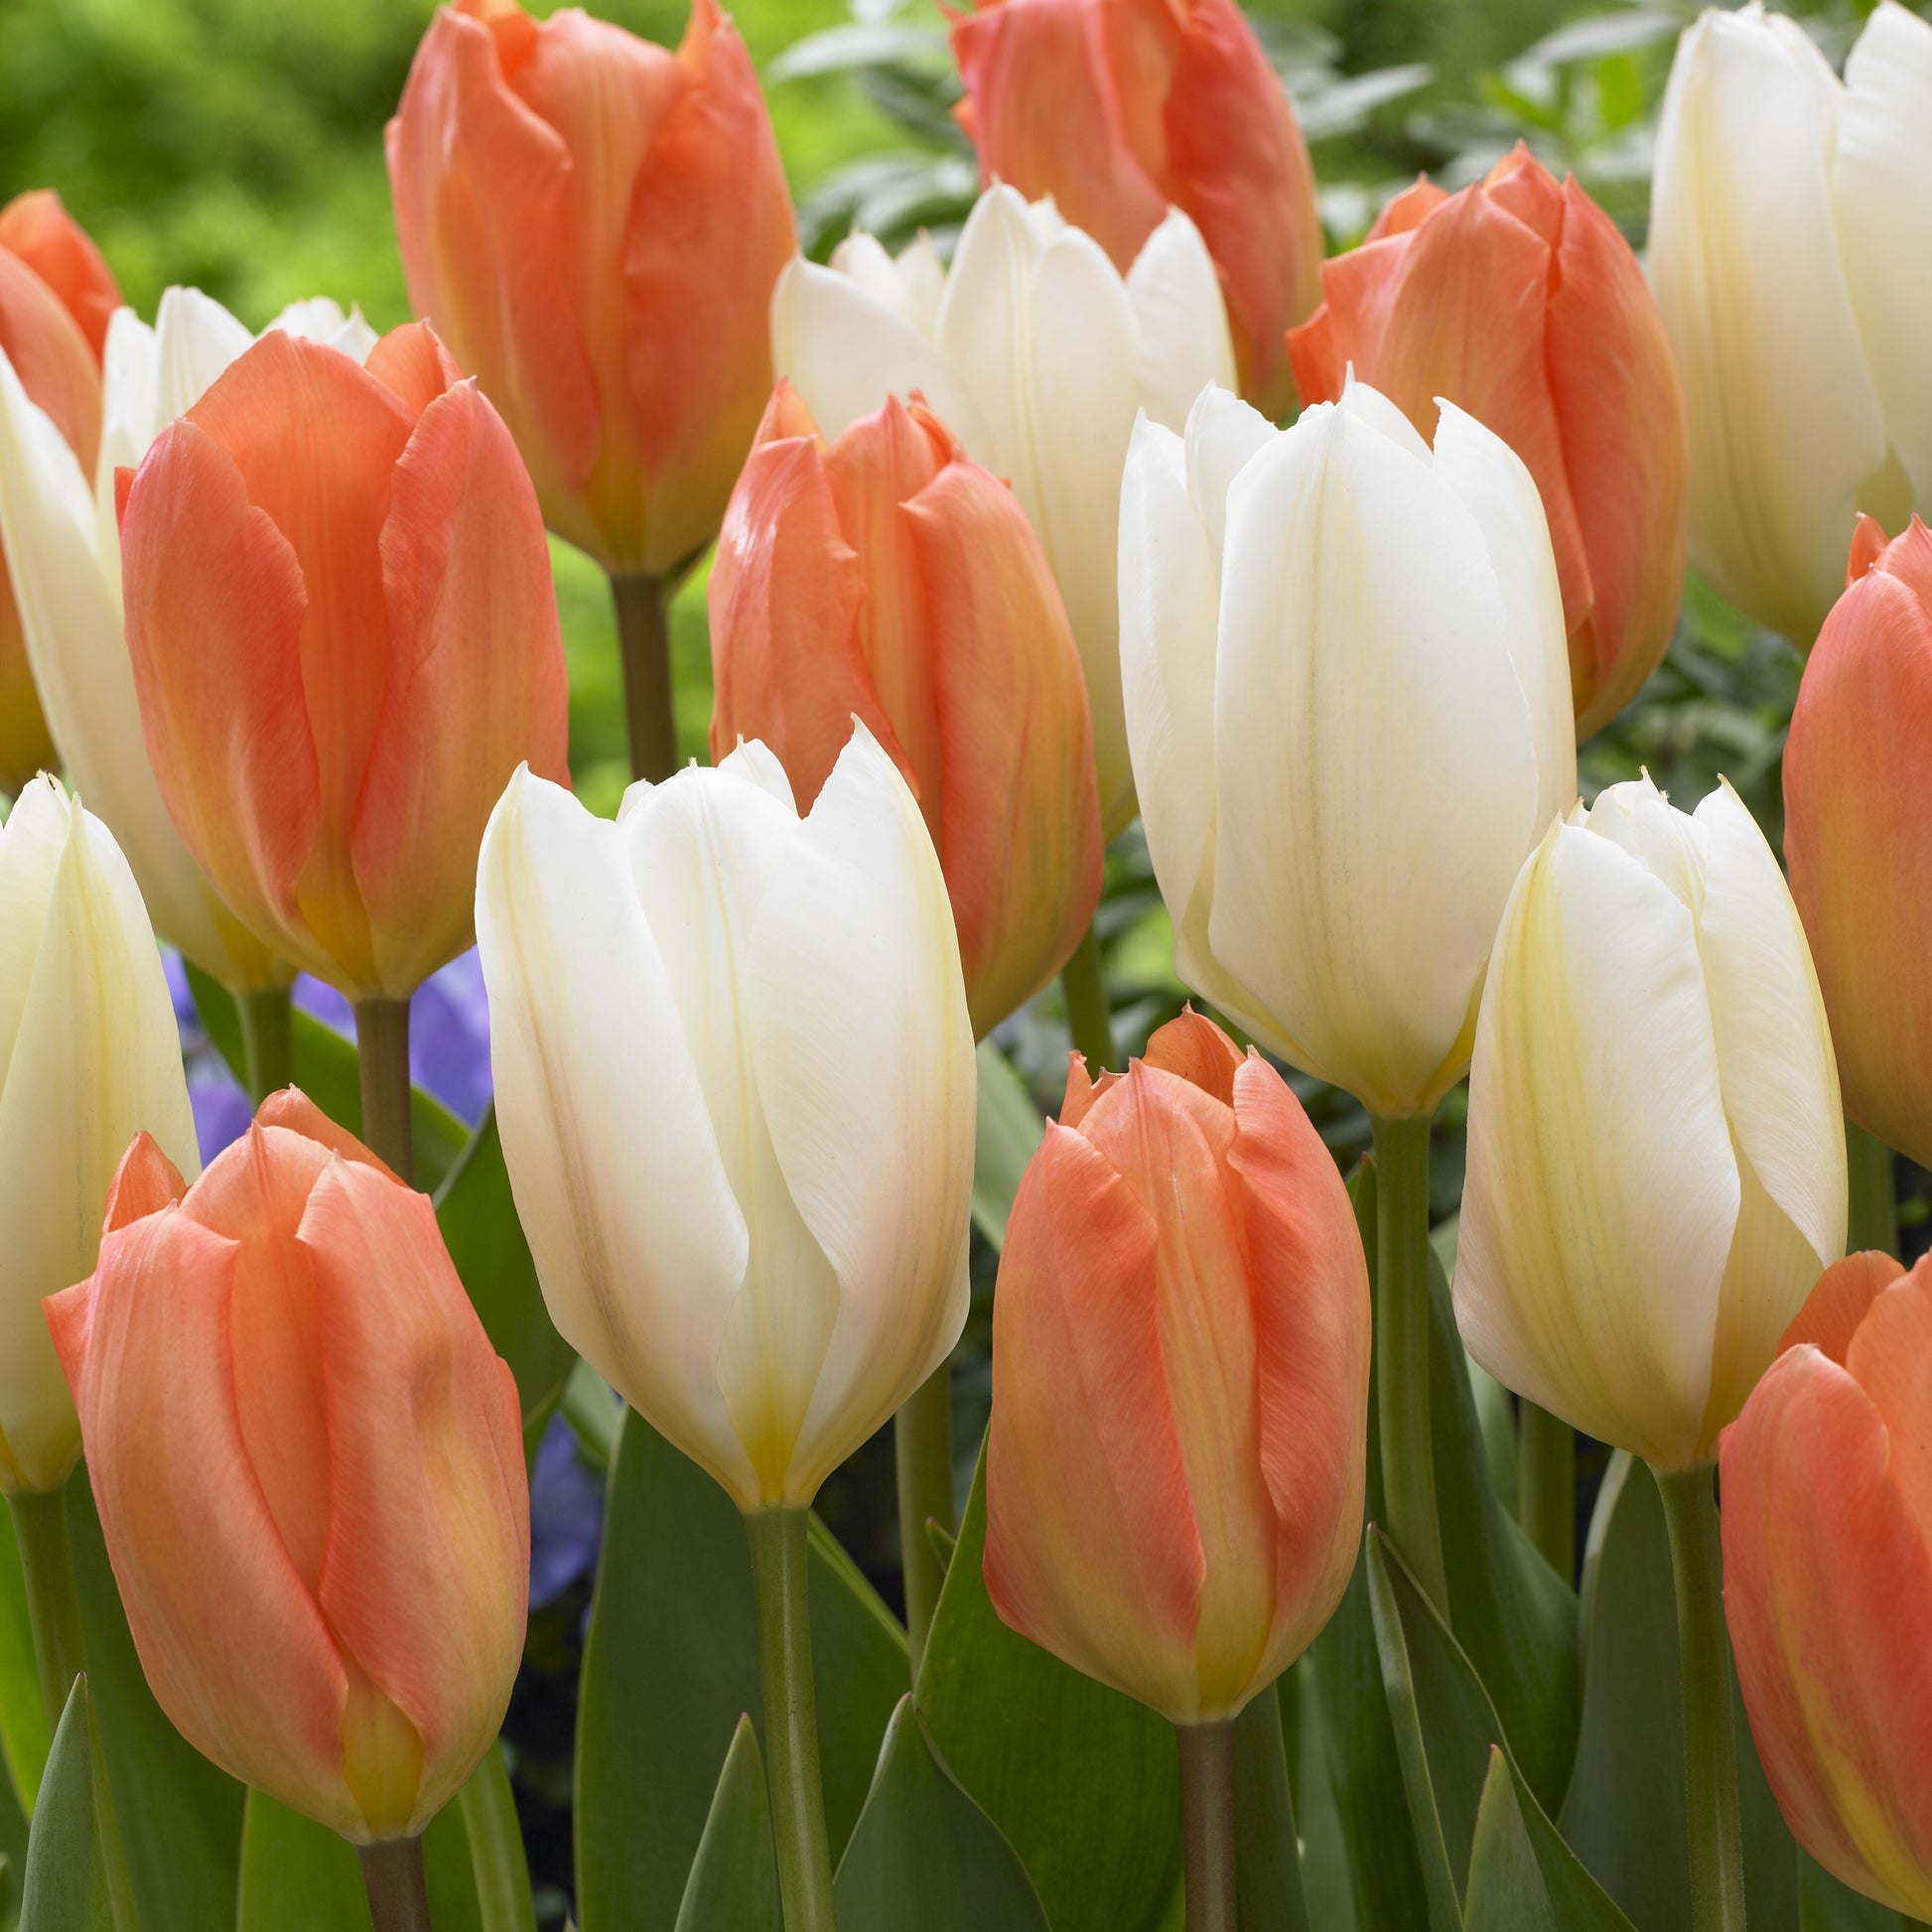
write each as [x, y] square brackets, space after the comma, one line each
[88, 1057]
[36, 230]
[1037, 355]
[1349, 708]
[1790, 218]
[1656, 1165]
[345, 639]
[309, 1464]
[1118, 109]
[1520, 302]
[736, 1086]
[889, 578]
[594, 224]
[1180, 1344]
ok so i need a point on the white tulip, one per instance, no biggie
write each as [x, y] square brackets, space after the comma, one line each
[736, 1084]
[90, 1057]
[1656, 1166]
[64, 553]
[1038, 355]
[1348, 692]
[1791, 255]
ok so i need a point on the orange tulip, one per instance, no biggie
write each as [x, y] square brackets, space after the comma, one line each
[344, 641]
[594, 224]
[309, 1464]
[1122, 109]
[1519, 301]
[888, 577]
[1826, 1482]
[1857, 831]
[1180, 1344]
[36, 230]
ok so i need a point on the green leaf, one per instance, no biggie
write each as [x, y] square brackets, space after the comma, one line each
[1826, 1904]
[296, 1872]
[65, 1890]
[670, 1665]
[1084, 1782]
[924, 1854]
[1009, 1134]
[1326, 1879]
[1267, 1852]
[24, 1737]
[1521, 1878]
[499, 1871]
[734, 1883]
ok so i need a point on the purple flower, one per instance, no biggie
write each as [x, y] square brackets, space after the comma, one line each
[566, 1515]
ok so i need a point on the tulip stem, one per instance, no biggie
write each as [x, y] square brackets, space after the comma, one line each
[1710, 1740]
[1207, 1822]
[1402, 1349]
[382, 1053]
[392, 1876]
[1547, 1475]
[267, 1042]
[922, 1439]
[778, 1573]
[53, 1599]
[1089, 1018]
[644, 644]
[1873, 1220]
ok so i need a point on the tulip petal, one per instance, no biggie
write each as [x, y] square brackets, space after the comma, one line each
[196, 342]
[1182, 319]
[51, 358]
[1833, 1309]
[35, 228]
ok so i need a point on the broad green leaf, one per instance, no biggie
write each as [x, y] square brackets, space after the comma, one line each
[671, 1663]
[1084, 1783]
[1522, 1879]
[64, 1888]
[296, 1872]
[500, 1870]
[733, 1882]
[1267, 1852]
[1325, 1881]
[924, 1854]
[24, 1737]
[1010, 1131]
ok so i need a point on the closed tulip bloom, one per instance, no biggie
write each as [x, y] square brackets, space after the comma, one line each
[736, 1084]
[1828, 1575]
[1790, 224]
[344, 641]
[1181, 1346]
[888, 577]
[594, 223]
[1120, 110]
[1346, 694]
[36, 230]
[1519, 301]
[1038, 355]
[309, 1466]
[89, 1057]
[1656, 1167]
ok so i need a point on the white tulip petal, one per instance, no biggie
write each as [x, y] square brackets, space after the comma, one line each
[757, 764]
[922, 284]
[1668, 844]
[862, 260]
[130, 376]
[1176, 296]
[197, 339]
[321, 320]
[31, 844]
[1371, 406]
[1223, 433]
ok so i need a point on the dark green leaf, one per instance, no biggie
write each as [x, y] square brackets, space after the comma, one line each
[1267, 1853]
[734, 1883]
[65, 1890]
[296, 1872]
[1326, 1879]
[1522, 1879]
[1009, 1133]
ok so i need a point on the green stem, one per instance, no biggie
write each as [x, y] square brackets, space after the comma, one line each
[1088, 1016]
[392, 1876]
[1402, 1349]
[1547, 1480]
[1207, 1822]
[382, 1053]
[267, 1046]
[923, 1439]
[779, 1572]
[1710, 1743]
[1873, 1220]
[644, 644]
[52, 1601]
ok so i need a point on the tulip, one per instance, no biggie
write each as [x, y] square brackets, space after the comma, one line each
[1828, 1577]
[888, 577]
[1036, 354]
[1519, 301]
[309, 1466]
[36, 230]
[1122, 109]
[1790, 220]
[344, 641]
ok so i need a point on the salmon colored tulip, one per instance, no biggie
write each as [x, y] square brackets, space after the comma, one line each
[309, 1464]
[886, 576]
[1120, 110]
[1857, 831]
[1180, 1344]
[1518, 299]
[344, 641]
[594, 224]
[1828, 1575]
[36, 230]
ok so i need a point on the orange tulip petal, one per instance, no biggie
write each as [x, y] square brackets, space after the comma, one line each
[36, 228]
[413, 365]
[1845, 1293]
[1199, 1051]
[293, 1109]
[52, 357]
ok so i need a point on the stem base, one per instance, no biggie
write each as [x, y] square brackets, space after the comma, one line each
[644, 644]
[1207, 1822]
[392, 1876]
[382, 1061]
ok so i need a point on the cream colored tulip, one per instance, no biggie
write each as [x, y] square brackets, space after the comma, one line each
[1036, 354]
[90, 1057]
[1656, 1166]
[736, 1084]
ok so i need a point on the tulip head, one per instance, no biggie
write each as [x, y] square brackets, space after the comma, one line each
[36, 230]
[344, 641]
[1120, 110]
[888, 577]
[1348, 701]
[594, 223]
[1518, 299]
[736, 1085]
[1656, 1170]
[308, 1463]
[1180, 1345]
[1828, 1575]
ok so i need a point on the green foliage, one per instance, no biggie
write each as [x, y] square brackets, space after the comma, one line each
[64, 1888]
[733, 1882]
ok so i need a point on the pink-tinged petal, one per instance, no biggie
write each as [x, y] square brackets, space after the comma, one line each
[1845, 1293]
[413, 365]
[1868, 546]
[293, 1109]
[1891, 1354]
[1083, 1090]
[36, 228]
[52, 359]
[1908, 557]
[1197, 1051]
[1408, 210]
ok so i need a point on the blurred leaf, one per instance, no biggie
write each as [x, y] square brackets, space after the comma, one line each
[1267, 1851]
[1600, 33]
[63, 1891]
[1009, 1134]
[1521, 1880]
[1343, 106]
[733, 1882]
[862, 44]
